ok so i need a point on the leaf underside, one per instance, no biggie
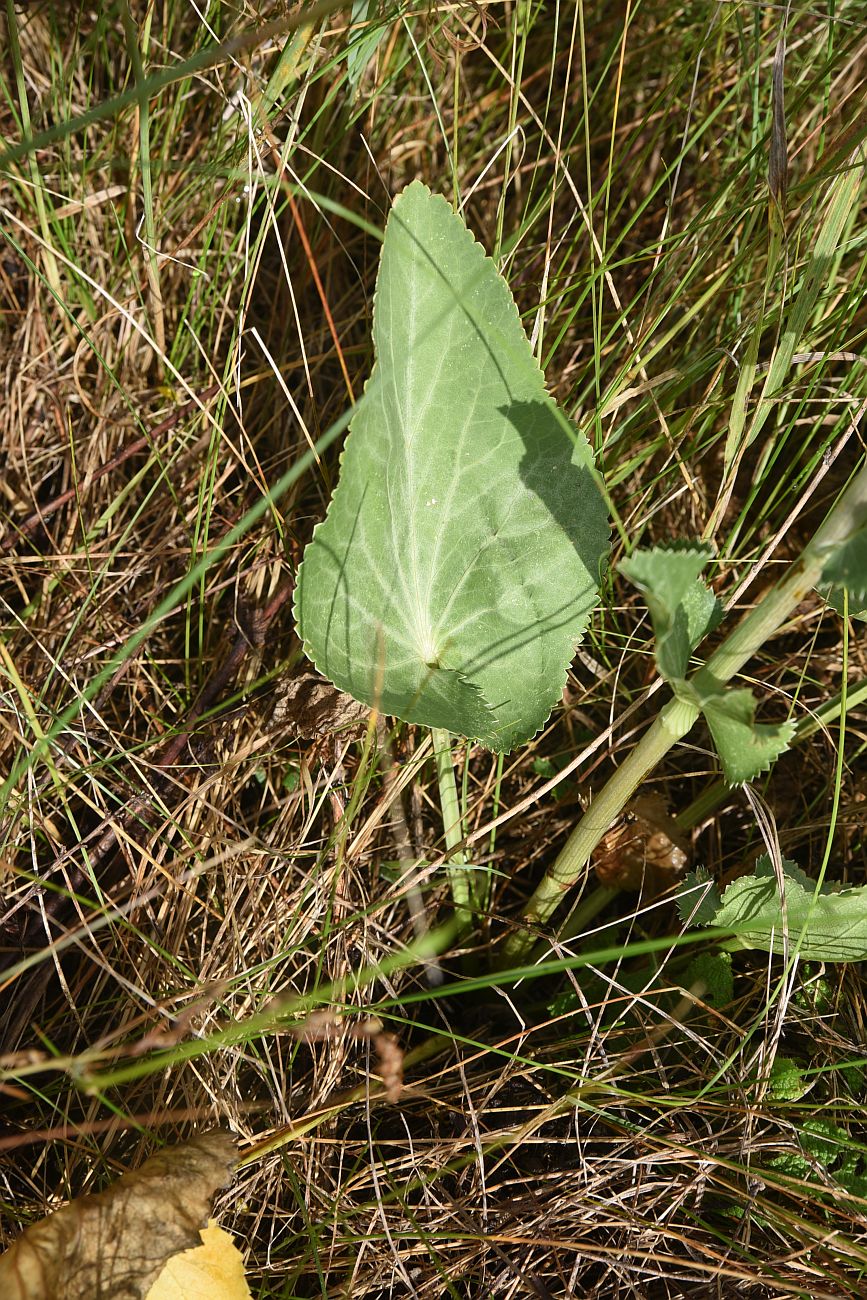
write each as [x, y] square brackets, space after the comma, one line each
[460, 557]
[825, 926]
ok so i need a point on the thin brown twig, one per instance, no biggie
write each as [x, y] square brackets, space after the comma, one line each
[90, 1128]
[311, 260]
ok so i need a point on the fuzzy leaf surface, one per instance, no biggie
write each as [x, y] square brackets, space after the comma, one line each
[746, 747]
[460, 557]
[833, 925]
[682, 606]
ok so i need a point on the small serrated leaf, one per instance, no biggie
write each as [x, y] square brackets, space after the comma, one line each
[846, 566]
[745, 746]
[765, 869]
[682, 606]
[698, 899]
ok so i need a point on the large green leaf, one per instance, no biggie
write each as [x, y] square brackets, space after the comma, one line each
[845, 568]
[460, 557]
[826, 926]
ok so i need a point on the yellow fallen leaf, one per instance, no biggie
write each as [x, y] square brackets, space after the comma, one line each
[212, 1271]
[115, 1244]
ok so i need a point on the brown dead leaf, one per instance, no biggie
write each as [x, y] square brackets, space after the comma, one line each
[114, 1244]
[390, 1055]
[324, 1025]
[644, 850]
[309, 707]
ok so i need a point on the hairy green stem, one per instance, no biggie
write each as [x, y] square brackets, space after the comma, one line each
[678, 716]
[701, 807]
[456, 866]
[671, 724]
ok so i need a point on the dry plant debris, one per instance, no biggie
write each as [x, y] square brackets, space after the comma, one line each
[645, 851]
[307, 706]
[324, 1025]
[115, 1244]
